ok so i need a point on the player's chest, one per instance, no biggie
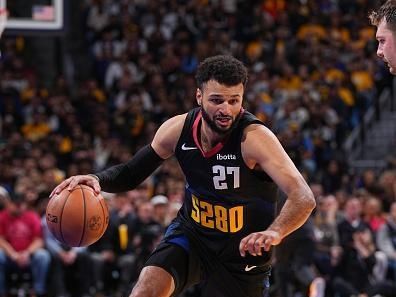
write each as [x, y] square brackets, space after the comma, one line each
[224, 170]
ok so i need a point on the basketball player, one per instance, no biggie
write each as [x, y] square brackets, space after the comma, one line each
[385, 20]
[233, 166]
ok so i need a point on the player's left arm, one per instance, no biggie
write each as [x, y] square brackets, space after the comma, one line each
[261, 147]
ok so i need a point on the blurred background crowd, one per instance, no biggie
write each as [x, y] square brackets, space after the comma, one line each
[313, 73]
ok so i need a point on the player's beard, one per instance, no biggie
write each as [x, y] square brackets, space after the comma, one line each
[391, 65]
[212, 123]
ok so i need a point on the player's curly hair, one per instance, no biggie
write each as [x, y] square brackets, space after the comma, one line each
[387, 11]
[224, 69]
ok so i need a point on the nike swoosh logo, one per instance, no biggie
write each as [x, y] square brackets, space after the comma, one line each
[248, 268]
[188, 148]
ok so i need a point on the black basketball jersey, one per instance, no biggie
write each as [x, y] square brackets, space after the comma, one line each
[224, 199]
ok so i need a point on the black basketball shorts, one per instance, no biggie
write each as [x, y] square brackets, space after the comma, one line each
[178, 257]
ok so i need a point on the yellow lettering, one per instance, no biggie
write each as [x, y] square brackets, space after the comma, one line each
[195, 213]
[207, 214]
[236, 218]
[216, 216]
[221, 218]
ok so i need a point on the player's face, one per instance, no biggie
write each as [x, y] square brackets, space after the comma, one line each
[221, 105]
[387, 46]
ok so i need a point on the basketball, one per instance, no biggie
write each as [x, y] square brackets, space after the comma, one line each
[77, 217]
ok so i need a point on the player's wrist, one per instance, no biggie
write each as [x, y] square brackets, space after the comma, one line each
[95, 177]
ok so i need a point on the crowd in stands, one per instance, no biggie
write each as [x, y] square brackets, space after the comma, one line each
[313, 73]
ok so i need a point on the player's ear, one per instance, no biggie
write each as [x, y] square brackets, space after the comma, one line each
[198, 96]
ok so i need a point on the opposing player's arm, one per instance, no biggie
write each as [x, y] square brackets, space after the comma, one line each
[261, 147]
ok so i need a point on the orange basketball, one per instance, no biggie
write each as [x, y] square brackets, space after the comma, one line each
[77, 217]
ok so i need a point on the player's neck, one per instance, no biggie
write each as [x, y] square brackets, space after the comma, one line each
[209, 138]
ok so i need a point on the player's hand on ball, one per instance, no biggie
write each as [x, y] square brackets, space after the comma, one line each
[255, 242]
[75, 180]
[78, 217]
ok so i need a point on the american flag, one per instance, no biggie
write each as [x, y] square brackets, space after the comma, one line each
[43, 13]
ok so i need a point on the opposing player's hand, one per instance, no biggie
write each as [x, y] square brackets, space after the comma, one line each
[255, 242]
[73, 181]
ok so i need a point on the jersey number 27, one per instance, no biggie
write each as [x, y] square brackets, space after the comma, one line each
[220, 176]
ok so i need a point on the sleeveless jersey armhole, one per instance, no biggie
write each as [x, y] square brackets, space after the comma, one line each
[187, 126]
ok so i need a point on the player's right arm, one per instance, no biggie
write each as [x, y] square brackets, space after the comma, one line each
[126, 176]
[261, 147]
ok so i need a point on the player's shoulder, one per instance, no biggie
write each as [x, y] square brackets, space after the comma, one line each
[255, 130]
[175, 123]
[167, 136]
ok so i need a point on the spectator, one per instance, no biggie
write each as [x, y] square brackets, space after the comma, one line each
[372, 213]
[69, 268]
[387, 181]
[351, 222]
[332, 177]
[123, 219]
[103, 258]
[295, 272]
[21, 245]
[147, 234]
[160, 205]
[386, 240]
[355, 270]
[327, 251]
